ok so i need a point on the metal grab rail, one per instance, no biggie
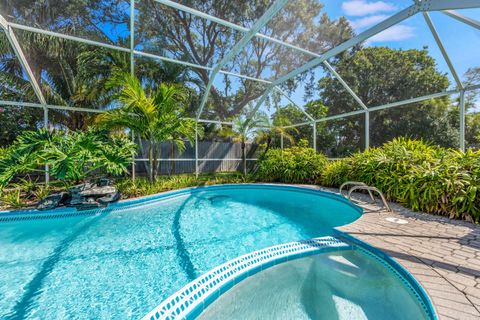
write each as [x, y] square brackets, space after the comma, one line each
[355, 183]
[370, 189]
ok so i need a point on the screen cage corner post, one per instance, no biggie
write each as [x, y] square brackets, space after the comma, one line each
[45, 126]
[196, 149]
[367, 129]
[462, 120]
[314, 136]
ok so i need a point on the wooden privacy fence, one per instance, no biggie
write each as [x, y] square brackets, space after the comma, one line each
[213, 156]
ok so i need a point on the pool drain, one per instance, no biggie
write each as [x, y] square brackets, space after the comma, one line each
[396, 220]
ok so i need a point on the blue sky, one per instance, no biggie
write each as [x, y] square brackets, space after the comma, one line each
[462, 42]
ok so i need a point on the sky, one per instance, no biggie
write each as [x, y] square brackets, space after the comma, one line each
[461, 42]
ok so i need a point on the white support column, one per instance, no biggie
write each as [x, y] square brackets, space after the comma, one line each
[132, 37]
[367, 129]
[196, 150]
[462, 120]
[314, 135]
[132, 67]
[45, 125]
[133, 158]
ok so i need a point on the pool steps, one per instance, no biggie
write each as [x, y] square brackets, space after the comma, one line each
[191, 300]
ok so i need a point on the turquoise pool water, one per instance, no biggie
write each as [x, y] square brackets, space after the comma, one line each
[123, 261]
[336, 285]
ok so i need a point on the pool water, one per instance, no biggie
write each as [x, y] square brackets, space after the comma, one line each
[123, 261]
[343, 285]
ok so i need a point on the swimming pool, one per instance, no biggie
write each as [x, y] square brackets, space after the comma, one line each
[121, 262]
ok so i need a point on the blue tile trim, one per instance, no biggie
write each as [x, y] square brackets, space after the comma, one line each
[17, 215]
[192, 299]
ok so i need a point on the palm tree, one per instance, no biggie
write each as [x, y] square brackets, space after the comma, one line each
[155, 115]
[243, 128]
[276, 128]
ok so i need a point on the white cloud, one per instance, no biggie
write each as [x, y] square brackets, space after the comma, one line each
[395, 33]
[363, 8]
[363, 23]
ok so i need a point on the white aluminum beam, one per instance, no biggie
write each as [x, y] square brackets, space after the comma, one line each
[414, 100]
[21, 57]
[345, 85]
[293, 102]
[391, 21]
[215, 121]
[439, 5]
[228, 24]
[460, 17]
[435, 34]
[48, 106]
[126, 50]
[261, 22]
[462, 120]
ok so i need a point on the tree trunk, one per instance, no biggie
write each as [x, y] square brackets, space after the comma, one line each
[268, 145]
[150, 160]
[155, 163]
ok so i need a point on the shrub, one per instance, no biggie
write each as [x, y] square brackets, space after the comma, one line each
[71, 156]
[417, 175]
[291, 165]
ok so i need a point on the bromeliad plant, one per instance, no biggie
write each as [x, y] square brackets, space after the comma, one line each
[71, 157]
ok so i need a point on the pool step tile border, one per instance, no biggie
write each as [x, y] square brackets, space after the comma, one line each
[191, 300]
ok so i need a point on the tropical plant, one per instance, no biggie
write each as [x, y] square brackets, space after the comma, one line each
[155, 115]
[70, 156]
[276, 128]
[298, 164]
[421, 176]
[243, 128]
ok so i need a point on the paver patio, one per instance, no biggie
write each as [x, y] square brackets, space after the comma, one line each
[442, 254]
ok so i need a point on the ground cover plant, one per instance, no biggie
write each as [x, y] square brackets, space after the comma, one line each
[142, 186]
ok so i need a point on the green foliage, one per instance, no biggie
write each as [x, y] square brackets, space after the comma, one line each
[12, 199]
[155, 115]
[143, 187]
[420, 176]
[70, 156]
[380, 75]
[297, 164]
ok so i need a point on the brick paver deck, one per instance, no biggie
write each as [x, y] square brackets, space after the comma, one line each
[443, 255]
